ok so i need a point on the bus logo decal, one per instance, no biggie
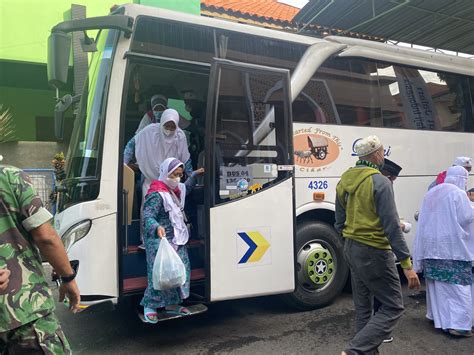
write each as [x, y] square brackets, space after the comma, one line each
[257, 246]
[315, 148]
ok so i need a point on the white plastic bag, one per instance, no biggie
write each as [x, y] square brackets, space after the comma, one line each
[168, 269]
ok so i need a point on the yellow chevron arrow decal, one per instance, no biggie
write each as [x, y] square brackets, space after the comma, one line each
[262, 246]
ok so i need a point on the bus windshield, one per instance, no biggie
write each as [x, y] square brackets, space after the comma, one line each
[82, 180]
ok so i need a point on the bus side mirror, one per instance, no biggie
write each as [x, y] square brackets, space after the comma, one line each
[58, 124]
[61, 107]
[59, 48]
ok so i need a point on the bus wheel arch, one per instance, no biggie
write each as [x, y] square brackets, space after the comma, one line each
[321, 271]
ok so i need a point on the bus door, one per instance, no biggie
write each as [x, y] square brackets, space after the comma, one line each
[250, 181]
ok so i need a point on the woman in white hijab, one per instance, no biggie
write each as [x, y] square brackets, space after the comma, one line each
[163, 217]
[444, 251]
[155, 143]
[159, 141]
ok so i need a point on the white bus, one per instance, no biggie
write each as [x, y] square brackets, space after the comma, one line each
[279, 117]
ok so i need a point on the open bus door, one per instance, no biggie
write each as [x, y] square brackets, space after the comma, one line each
[249, 181]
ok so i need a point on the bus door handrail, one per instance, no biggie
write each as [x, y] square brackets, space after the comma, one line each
[125, 218]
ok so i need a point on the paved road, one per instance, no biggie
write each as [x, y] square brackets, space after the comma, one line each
[253, 326]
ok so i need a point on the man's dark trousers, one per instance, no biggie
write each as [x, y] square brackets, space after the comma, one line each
[373, 273]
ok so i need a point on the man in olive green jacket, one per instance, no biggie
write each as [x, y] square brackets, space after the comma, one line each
[367, 218]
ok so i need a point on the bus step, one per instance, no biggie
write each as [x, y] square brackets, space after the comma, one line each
[195, 243]
[198, 274]
[132, 249]
[164, 316]
[139, 283]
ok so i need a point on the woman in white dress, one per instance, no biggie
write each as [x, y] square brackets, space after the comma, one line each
[444, 251]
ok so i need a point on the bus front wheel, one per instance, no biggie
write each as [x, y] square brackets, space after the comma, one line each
[321, 271]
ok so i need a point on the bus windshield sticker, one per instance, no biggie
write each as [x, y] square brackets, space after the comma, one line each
[242, 185]
[107, 53]
[233, 176]
[285, 167]
[90, 153]
[255, 187]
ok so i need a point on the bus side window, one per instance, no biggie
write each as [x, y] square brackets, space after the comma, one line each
[315, 104]
[369, 93]
[345, 91]
[250, 134]
[424, 100]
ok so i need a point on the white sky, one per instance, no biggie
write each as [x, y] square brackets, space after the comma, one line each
[295, 3]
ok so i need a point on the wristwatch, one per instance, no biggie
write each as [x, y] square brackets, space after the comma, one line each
[66, 279]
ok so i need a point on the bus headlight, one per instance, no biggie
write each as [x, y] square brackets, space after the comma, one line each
[76, 233]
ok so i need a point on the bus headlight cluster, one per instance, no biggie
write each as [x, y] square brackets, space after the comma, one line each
[76, 233]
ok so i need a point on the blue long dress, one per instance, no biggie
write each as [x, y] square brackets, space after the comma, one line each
[154, 216]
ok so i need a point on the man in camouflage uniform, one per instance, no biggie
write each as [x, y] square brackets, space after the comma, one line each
[27, 321]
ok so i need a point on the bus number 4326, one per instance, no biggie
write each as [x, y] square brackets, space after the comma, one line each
[318, 185]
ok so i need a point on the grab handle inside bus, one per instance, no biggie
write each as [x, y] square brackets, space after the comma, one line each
[125, 219]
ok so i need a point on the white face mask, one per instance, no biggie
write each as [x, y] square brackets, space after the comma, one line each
[173, 182]
[168, 132]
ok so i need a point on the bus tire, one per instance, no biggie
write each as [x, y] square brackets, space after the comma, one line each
[321, 271]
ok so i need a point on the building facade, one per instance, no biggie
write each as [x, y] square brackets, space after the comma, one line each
[24, 91]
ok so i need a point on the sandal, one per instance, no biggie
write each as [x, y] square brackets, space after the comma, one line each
[178, 310]
[460, 333]
[150, 315]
